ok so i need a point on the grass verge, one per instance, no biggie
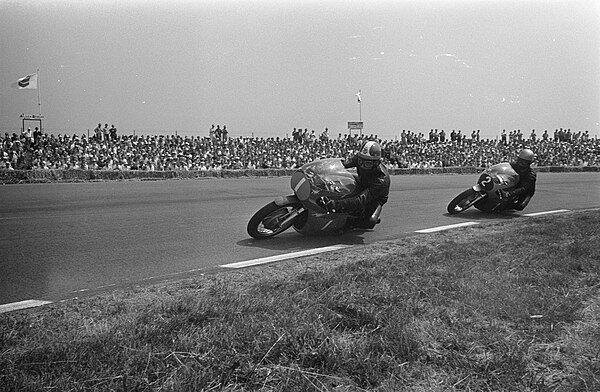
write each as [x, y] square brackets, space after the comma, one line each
[502, 306]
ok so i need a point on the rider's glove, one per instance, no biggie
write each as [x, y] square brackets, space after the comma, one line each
[502, 194]
[326, 203]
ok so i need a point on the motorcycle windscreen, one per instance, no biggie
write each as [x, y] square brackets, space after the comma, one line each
[328, 177]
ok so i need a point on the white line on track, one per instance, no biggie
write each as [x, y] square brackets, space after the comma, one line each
[546, 212]
[31, 303]
[242, 264]
[286, 256]
[441, 228]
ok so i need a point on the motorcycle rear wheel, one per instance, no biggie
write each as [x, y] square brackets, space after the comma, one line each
[267, 221]
[463, 201]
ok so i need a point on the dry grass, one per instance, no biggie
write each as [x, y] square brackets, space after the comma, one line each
[503, 306]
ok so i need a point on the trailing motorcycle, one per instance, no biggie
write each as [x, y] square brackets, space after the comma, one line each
[325, 177]
[484, 195]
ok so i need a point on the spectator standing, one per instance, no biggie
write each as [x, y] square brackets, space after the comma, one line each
[37, 135]
[459, 137]
[105, 132]
[27, 137]
[98, 132]
[403, 137]
[224, 133]
[113, 132]
[533, 136]
[586, 136]
[305, 136]
[211, 133]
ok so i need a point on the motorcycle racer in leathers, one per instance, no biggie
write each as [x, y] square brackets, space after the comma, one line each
[518, 197]
[373, 184]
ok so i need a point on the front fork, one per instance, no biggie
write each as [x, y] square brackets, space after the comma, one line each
[481, 193]
[289, 219]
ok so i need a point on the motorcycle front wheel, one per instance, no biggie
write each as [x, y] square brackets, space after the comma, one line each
[464, 200]
[273, 219]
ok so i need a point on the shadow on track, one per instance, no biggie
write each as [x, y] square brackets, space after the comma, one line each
[292, 241]
[480, 215]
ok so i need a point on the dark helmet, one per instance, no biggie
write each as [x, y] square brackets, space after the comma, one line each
[525, 158]
[369, 155]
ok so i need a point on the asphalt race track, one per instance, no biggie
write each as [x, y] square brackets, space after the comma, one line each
[63, 240]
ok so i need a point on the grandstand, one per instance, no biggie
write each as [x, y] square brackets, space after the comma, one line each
[41, 151]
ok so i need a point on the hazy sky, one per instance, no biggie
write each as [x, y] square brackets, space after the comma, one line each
[265, 67]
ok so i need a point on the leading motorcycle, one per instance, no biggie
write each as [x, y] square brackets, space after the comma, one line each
[484, 195]
[324, 177]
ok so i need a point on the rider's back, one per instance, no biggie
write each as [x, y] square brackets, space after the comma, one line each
[527, 179]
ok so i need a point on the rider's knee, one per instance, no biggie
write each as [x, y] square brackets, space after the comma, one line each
[372, 222]
[374, 219]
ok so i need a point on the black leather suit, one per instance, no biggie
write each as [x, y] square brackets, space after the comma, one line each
[374, 188]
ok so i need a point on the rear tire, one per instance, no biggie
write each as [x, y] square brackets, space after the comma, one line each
[464, 200]
[267, 221]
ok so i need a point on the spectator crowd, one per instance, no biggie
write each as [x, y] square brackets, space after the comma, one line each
[106, 150]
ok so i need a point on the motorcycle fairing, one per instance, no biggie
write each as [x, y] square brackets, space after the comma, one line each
[499, 176]
[502, 176]
[324, 177]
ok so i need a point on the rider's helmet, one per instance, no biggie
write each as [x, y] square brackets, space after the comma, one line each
[525, 158]
[369, 155]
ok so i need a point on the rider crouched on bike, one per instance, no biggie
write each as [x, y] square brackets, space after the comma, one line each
[518, 197]
[373, 186]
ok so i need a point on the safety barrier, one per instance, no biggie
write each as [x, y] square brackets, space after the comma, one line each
[42, 176]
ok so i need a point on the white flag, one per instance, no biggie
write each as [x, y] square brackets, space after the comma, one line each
[29, 82]
[358, 96]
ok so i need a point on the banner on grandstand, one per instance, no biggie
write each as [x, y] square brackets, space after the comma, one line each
[31, 116]
[29, 82]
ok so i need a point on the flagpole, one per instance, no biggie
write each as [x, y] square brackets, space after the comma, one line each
[359, 105]
[360, 111]
[38, 89]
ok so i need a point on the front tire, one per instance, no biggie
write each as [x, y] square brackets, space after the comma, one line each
[267, 222]
[464, 200]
